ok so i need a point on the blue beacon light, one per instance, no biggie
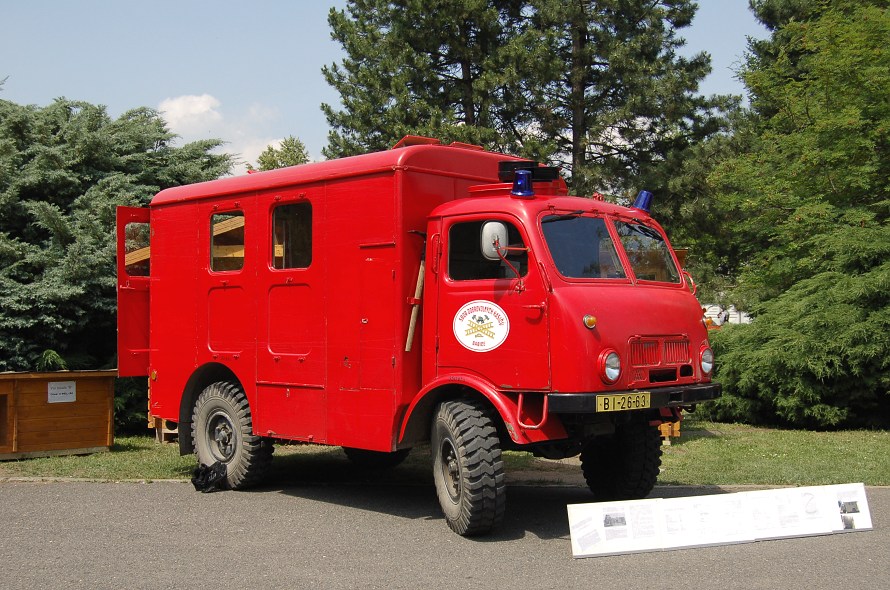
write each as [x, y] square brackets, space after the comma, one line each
[643, 201]
[522, 184]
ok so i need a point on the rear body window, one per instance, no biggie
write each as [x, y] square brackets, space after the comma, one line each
[227, 241]
[292, 236]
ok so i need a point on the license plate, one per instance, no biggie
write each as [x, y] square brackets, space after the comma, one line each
[624, 401]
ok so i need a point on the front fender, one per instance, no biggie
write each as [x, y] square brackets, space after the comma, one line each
[530, 427]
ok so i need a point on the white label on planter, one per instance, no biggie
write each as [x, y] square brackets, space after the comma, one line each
[658, 524]
[61, 391]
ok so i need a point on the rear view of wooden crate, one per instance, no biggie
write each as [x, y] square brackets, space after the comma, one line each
[59, 413]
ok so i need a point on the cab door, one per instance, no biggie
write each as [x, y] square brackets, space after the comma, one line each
[133, 272]
[493, 316]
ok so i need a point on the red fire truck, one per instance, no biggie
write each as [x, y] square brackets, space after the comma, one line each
[430, 293]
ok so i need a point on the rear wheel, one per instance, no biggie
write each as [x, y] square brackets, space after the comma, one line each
[375, 459]
[467, 467]
[623, 466]
[222, 432]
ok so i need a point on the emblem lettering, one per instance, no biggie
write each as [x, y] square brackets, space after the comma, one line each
[481, 326]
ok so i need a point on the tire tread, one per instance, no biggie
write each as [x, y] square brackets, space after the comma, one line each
[256, 455]
[624, 466]
[484, 486]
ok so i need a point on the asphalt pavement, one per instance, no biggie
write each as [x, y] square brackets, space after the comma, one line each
[343, 534]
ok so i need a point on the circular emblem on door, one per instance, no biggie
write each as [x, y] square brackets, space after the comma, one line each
[481, 326]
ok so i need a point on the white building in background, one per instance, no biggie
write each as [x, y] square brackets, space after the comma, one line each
[720, 315]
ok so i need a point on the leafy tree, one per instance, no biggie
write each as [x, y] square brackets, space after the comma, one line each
[697, 217]
[811, 196]
[290, 152]
[596, 87]
[63, 170]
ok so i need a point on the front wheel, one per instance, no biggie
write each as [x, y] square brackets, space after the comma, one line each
[467, 467]
[623, 466]
[222, 432]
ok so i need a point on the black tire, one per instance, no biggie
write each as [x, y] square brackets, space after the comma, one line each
[623, 466]
[222, 431]
[467, 468]
[375, 459]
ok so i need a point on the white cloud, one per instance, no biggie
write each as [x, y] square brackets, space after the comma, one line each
[262, 114]
[245, 132]
[191, 116]
[249, 150]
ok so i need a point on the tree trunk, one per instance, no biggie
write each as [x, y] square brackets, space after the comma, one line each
[577, 79]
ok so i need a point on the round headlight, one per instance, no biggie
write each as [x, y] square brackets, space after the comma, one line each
[611, 366]
[707, 361]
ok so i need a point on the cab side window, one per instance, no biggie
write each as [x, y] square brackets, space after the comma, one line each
[465, 259]
[227, 241]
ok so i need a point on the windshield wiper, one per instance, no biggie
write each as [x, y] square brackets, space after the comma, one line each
[571, 215]
[626, 229]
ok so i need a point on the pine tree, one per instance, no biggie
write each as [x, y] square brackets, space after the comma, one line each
[437, 68]
[596, 87]
[621, 106]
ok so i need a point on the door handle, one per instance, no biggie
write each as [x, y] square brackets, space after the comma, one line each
[538, 306]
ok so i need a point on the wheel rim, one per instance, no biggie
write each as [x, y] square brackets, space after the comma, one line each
[450, 469]
[221, 437]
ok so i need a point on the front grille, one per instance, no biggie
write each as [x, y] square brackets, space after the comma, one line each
[655, 359]
[676, 352]
[645, 353]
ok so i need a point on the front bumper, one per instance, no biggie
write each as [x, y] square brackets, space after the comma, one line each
[660, 397]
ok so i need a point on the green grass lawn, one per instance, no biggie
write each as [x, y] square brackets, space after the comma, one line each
[714, 454]
[706, 454]
[131, 457]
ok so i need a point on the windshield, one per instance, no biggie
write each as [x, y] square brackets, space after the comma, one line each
[581, 247]
[648, 253]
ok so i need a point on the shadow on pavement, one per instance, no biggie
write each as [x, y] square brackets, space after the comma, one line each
[407, 491]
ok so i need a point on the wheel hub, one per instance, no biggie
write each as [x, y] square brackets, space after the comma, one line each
[450, 469]
[221, 433]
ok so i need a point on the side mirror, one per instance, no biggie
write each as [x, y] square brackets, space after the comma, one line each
[494, 235]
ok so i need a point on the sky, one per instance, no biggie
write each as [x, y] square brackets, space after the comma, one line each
[248, 73]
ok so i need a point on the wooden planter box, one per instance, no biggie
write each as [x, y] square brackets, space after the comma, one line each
[60, 413]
